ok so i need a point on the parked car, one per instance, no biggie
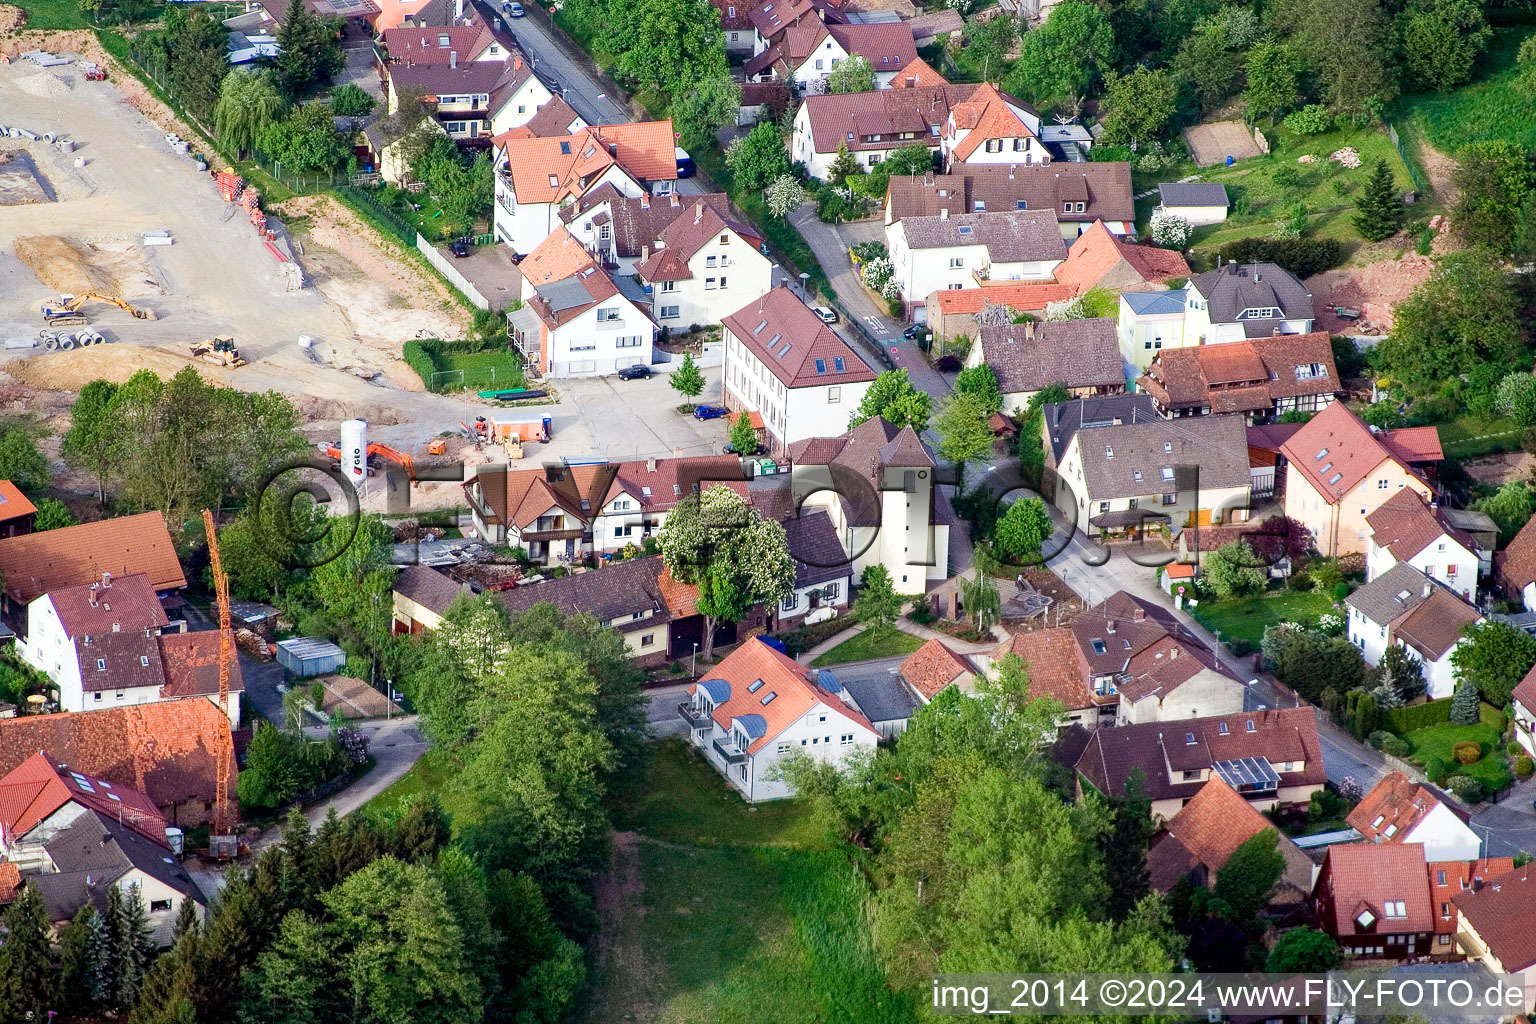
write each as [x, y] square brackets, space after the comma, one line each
[639, 371]
[709, 412]
[515, 11]
[915, 331]
[460, 247]
[826, 314]
[757, 449]
[684, 162]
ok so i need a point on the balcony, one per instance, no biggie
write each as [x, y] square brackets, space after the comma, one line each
[693, 717]
[729, 752]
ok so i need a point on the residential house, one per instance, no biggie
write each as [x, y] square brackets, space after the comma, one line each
[190, 662]
[973, 248]
[627, 596]
[989, 127]
[1181, 472]
[1399, 810]
[36, 563]
[889, 700]
[1495, 926]
[552, 119]
[167, 750]
[762, 101]
[1056, 670]
[1514, 567]
[631, 500]
[75, 836]
[1339, 471]
[1271, 757]
[1100, 258]
[1253, 300]
[883, 699]
[877, 483]
[1029, 357]
[1449, 879]
[1374, 901]
[1408, 529]
[390, 157]
[758, 706]
[618, 229]
[959, 312]
[578, 322]
[786, 365]
[917, 74]
[1149, 322]
[421, 596]
[1060, 422]
[1261, 380]
[702, 269]
[1402, 606]
[1524, 719]
[871, 124]
[805, 53]
[772, 19]
[1197, 842]
[449, 45]
[1080, 194]
[933, 668]
[1198, 202]
[537, 177]
[823, 586]
[460, 94]
[736, 26]
[17, 513]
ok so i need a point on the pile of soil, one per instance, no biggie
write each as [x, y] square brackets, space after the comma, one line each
[11, 19]
[73, 370]
[61, 265]
[1374, 289]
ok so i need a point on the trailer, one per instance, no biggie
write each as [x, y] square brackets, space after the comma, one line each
[527, 428]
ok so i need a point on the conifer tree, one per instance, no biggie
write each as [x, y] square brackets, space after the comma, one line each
[26, 960]
[843, 165]
[421, 831]
[131, 945]
[80, 975]
[1381, 208]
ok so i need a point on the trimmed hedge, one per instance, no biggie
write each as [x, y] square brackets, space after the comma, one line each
[1493, 718]
[1301, 256]
[1416, 716]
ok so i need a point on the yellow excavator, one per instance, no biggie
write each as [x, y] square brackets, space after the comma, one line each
[65, 310]
[220, 351]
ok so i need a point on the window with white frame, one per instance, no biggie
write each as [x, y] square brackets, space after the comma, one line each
[834, 395]
[670, 312]
[607, 314]
[669, 286]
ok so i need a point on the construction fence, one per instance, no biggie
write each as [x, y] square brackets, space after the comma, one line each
[1420, 183]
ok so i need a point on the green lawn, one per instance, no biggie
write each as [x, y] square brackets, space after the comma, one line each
[53, 13]
[763, 926]
[1246, 617]
[1439, 741]
[871, 643]
[1490, 107]
[429, 775]
[442, 368]
[1469, 435]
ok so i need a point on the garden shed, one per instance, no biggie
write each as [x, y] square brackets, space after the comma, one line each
[310, 656]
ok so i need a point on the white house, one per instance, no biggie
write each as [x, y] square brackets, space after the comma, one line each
[784, 364]
[702, 269]
[537, 177]
[877, 483]
[806, 52]
[578, 322]
[1234, 302]
[519, 96]
[1403, 606]
[1198, 202]
[758, 707]
[1399, 810]
[1148, 322]
[1029, 357]
[992, 128]
[460, 93]
[932, 253]
[620, 229]
[1408, 529]
[1525, 712]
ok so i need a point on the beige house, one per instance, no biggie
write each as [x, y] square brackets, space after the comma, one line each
[1495, 926]
[1340, 472]
[421, 597]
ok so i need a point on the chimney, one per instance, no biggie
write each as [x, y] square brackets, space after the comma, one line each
[106, 579]
[1275, 333]
[1257, 277]
[1232, 268]
[613, 149]
[1139, 614]
[517, 63]
[1109, 626]
[645, 200]
[698, 212]
[1428, 588]
[453, 58]
[650, 464]
[93, 595]
[944, 213]
[676, 202]
[1173, 653]
[645, 253]
[1029, 330]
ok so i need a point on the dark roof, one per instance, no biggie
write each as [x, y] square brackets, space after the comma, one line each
[1435, 626]
[96, 842]
[880, 113]
[552, 120]
[1406, 524]
[882, 698]
[191, 664]
[1065, 419]
[119, 661]
[429, 588]
[440, 79]
[1243, 376]
[1160, 748]
[1104, 188]
[856, 459]
[1131, 460]
[639, 222]
[1501, 912]
[683, 238]
[819, 556]
[1011, 236]
[790, 340]
[1230, 289]
[1192, 193]
[615, 592]
[1391, 595]
[1028, 357]
[887, 47]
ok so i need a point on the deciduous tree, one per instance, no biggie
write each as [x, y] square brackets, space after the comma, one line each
[1303, 951]
[1022, 531]
[878, 604]
[1062, 58]
[672, 43]
[758, 157]
[851, 74]
[20, 460]
[1493, 180]
[703, 108]
[249, 102]
[687, 380]
[981, 381]
[1494, 656]
[1140, 105]
[1442, 41]
[963, 432]
[1462, 317]
[1249, 875]
[893, 398]
[1273, 79]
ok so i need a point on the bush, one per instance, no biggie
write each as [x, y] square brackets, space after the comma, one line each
[1512, 748]
[1300, 581]
[1312, 119]
[1493, 718]
[1524, 766]
[1435, 768]
[1325, 804]
[1240, 646]
[1301, 256]
[1378, 737]
[949, 364]
[1340, 590]
[1417, 716]
[1396, 746]
[1169, 230]
[1466, 788]
[1467, 752]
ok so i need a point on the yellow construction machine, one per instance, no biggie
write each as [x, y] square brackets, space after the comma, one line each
[65, 310]
[220, 351]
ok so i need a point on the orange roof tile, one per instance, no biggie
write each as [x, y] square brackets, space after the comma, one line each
[932, 667]
[13, 504]
[550, 169]
[988, 115]
[1363, 878]
[556, 258]
[191, 662]
[917, 74]
[1207, 830]
[35, 563]
[783, 698]
[1023, 297]
[1392, 808]
[40, 785]
[1097, 251]
[1050, 655]
[1460, 875]
[1335, 450]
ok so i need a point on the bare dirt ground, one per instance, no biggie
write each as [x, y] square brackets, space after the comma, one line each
[1212, 142]
[1374, 289]
[1498, 470]
[618, 946]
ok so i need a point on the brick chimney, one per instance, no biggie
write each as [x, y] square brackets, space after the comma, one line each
[1139, 614]
[453, 58]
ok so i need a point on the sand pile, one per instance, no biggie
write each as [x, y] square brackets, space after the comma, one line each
[73, 370]
[60, 264]
[11, 18]
[46, 85]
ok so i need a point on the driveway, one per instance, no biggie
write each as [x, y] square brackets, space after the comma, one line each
[1509, 826]
[362, 69]
[633, 419]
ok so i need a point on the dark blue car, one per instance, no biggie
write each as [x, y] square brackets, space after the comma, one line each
[709, 412]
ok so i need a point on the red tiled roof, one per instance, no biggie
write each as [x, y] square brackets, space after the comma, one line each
[1460, 876]
[1392, 808]
[1050, 655]
[1501, 911]
[1336, 443]
[987, 115]
[1097, 251]
[1206, 831]
[1363, 879]
[1026, 298]
[786, 694]
[932, 667]
[426, 46]
[191, 663]
[36, 563]
[917, 74]
[646, 150]
[1516, 564]
[1414, 444]
[13, 504]
[40, 785]
[789, 339]
[1525, 690]
[108, 605]
[1406, 524]
[1242, 376]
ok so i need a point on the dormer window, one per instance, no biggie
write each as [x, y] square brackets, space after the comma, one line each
[1189, 739]
[1222, 729]
[1365, 919]
[1251, 726]
[1109, 451]
[1379, 819]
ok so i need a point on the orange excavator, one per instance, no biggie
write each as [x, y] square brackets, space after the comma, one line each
[375, 451]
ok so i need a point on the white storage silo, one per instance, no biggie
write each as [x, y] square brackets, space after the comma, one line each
[354, 451]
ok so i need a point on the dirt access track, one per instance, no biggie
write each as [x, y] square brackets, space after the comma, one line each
[362, 301]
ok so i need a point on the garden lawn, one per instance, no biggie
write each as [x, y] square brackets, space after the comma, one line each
[1467, 436]
[431, 774]
[766, 928]
[1245, 617]
[1439, 741]
[1492, 106]
[448, 370]
[871, 643]
[53, 13]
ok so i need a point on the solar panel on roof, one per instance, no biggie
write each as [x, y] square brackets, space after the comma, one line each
[1247, 774]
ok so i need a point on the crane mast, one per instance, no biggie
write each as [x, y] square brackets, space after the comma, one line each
[222, 825]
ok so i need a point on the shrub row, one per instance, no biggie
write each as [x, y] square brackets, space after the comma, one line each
[1416, 716]
[1301, 256]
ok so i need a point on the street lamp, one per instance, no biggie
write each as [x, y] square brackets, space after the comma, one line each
[693, 660]
[804, 290]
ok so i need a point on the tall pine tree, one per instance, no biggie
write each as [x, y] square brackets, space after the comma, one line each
[1380, 209]
[1125, 849]
[128, 922]
[26, 960]
[81, 978]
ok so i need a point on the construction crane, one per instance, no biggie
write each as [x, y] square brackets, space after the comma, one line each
[375, 450]
[223, 744]
[65, 309]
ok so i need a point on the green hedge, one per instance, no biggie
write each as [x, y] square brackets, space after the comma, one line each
[1418, 716]
[1492, 717]
[1301, 256]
